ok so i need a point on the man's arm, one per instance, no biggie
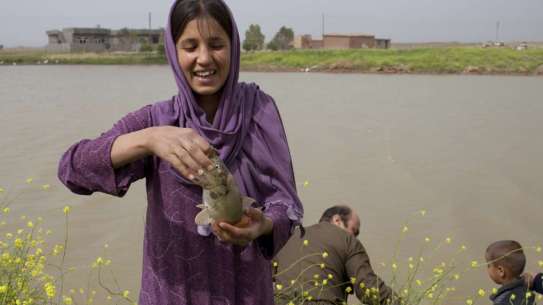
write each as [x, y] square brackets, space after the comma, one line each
[367, 284]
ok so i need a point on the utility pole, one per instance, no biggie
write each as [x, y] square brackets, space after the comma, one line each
[322, 25]
[497, 31]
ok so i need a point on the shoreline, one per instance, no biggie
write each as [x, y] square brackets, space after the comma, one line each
[416, 61]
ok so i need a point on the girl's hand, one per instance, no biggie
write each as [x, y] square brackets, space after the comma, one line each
[252, 225]
[181, 147]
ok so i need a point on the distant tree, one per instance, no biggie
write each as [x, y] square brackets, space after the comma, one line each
[282, 40]
[160, 49]
[254, 39]
[146, 47]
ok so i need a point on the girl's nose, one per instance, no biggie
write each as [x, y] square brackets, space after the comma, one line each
[204, 56]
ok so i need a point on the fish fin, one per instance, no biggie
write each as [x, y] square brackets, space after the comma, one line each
[201, 206]
[202, 218]
[246, 202]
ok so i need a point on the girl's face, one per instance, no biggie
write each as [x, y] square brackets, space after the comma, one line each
[203, 50]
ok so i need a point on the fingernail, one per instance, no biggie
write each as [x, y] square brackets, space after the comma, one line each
[200, 172]
[191, 177]
[210, 167]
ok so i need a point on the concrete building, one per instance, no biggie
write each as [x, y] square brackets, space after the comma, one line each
[341, 41]
[101, 40]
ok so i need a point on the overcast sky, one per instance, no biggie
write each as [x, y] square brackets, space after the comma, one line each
[24, 22]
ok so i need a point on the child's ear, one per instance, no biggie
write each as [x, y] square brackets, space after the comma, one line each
[501, 271]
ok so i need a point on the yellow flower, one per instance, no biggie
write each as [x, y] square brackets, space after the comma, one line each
[513, 296]
[292, 282]
[411, 266]
[448, 240]
[1, 190]
[494, 290]
[30, 224]
[422, 212]
[316, 276]
[29, 180]
[322, 265]
[353, 280]
[419, 282]
[538, 249]
[405, 229]
[50, 290]
[469, 302]
[421, 259]
[125, 294]
[362, 285]
[430, 295]
[481, 292]
[324, 282]
[540, 263]
[6, 210]
[66, 210]
[18, 243]
[394, 266]
[330, 276]
[81, 290]
[291, 303]
[324, 254]
[3, 288]
[306, 183]
[45, 187]
[474, 264]
[528, 294]
[9, 235]
[275, 264]
[456, 276]
[67, 300]
[410, 259]
[427, 239]
[279, 286]
[348, 289]
[463, 248]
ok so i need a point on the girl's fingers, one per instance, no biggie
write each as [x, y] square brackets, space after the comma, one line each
[187, 160]
[180, 167]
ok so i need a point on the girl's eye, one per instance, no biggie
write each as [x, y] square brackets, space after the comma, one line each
[217, 46]
[189, 48]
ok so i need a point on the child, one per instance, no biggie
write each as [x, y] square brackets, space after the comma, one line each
[506, 262]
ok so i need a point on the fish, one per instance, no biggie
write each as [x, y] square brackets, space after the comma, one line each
[222, 200]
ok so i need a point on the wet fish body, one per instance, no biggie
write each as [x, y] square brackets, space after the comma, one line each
[222, 200]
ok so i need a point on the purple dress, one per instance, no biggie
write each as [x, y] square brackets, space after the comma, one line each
[181, 266]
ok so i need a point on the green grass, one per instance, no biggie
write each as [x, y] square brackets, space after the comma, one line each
[418, 60]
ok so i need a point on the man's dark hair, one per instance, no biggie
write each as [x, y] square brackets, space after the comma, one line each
[187, 10]
[508, 254]
[343, 211]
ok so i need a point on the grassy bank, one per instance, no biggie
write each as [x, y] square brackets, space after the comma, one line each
[419, 60]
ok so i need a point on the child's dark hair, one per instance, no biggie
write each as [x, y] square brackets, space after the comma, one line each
[507, 253]
[187, 10]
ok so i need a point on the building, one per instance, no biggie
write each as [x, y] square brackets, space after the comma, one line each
[101, 40]
[346, 41]
[341, 41]
[307, 42]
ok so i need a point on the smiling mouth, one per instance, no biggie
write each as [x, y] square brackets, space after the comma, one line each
[204, 74]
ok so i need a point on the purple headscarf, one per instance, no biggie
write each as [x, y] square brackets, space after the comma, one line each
[229, 132]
